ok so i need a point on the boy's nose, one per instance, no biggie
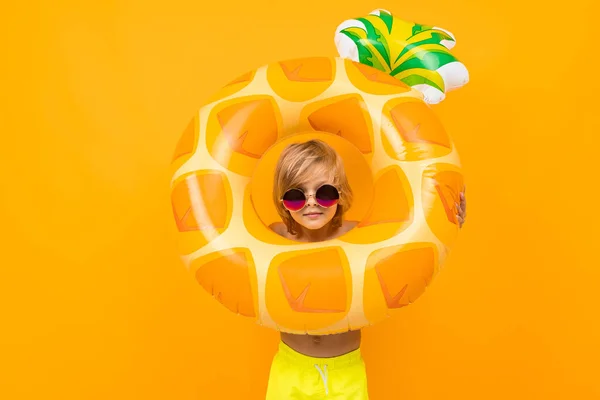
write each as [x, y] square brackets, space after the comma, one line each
[310, 199]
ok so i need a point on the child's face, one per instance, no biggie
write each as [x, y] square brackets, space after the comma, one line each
[313, 215]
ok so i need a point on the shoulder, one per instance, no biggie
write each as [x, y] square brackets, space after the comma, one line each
[347, 226]
[279, 228]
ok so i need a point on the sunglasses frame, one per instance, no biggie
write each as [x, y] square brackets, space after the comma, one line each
[306, 197]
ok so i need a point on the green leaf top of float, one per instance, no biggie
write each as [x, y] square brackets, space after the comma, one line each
[420, 28]
[408, 51]
[387, 19]
[377, 39]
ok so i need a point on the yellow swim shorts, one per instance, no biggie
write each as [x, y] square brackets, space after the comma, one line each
[294, 376]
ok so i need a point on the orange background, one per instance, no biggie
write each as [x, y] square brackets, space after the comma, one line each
[94, 301]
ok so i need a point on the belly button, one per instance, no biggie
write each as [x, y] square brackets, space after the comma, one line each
[316, 339]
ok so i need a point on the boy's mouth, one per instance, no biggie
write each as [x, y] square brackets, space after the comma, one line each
[312, 214]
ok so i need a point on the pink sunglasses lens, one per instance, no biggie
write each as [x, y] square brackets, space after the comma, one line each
[294, 200]
[326, 203]
[294, 205]
[327, 196]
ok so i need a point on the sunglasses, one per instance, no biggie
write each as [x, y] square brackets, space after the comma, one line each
[295, 199]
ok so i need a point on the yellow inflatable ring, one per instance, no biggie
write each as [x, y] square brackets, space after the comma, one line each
[401, 163]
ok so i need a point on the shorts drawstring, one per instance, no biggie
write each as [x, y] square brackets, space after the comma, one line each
[291, 374]
[323, 376]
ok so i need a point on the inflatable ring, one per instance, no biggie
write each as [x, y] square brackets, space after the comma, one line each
[402, 165]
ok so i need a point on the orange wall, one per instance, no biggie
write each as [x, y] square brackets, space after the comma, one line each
[95, 303]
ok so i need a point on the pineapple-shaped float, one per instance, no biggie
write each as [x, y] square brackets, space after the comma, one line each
[402, 165]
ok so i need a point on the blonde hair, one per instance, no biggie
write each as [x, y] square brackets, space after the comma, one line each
[296, 165]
